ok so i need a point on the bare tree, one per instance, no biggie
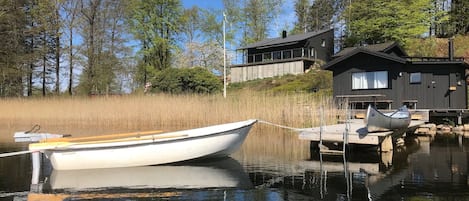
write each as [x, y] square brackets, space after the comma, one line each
[71, 13]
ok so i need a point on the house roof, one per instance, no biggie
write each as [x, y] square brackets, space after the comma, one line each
[272, 42]
[365, 50]
[382, 47]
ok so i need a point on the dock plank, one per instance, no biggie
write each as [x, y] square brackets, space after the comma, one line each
[357, 134]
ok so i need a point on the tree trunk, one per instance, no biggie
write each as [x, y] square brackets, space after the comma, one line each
[57, 51]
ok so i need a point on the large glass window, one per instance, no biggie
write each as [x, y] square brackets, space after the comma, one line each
[297, 53]
[268, 56]
[415, 78]
[370, 80]
[250, 59]
[277, 55]
[258, 58]
[287, 54]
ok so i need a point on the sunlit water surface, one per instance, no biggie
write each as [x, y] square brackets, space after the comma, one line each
[271, 165]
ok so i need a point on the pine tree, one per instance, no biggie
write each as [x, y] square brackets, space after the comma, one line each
[459, 19]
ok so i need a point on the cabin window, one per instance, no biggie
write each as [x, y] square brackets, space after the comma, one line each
[323, 43]
[258, 58]
[250, 59]
[268, 56]
[297, 53]
[287, 54]
[370, 80]
[312, 52]
[277, 55]
[415, 78]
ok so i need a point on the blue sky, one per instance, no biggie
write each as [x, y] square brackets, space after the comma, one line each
[218, 4]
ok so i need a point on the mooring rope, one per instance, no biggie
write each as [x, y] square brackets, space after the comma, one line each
[3, 155]
[280, 126]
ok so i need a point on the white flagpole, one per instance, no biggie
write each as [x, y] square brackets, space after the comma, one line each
[224, 57]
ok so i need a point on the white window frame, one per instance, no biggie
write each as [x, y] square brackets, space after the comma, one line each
[370, 80]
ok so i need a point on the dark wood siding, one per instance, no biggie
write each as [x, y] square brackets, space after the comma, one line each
[322, 53]
[434, 91]
[366, 63]
[442, 85]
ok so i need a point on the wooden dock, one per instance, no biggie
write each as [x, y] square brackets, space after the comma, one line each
[357, 134]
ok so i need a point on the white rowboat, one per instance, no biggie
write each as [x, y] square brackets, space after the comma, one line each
[162, 148]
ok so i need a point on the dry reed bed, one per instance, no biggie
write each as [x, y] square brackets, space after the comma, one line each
[165, 111]
[268, 143]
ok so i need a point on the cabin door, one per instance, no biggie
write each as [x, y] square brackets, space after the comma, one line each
[440, 91]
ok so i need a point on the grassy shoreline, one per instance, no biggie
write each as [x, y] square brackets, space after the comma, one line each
[166, 111]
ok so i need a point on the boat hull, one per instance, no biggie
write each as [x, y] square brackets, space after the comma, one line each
[377, 121]
[213, 141]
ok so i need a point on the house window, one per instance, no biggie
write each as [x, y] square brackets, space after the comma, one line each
[323, 43]
[313, 51]
[258, 58]
[287, 54]
[415, 78]
[277, 55]
[370, 80]
[250, 59]
[297, 53]
[268, 56]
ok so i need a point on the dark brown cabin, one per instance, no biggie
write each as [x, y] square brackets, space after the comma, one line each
[383, 74]
[284, 55]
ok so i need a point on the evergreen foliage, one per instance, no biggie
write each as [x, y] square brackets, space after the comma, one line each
[459, 16]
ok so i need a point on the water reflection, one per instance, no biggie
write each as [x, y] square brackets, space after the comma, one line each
[438, 169]
[221, 173]
[363, 174]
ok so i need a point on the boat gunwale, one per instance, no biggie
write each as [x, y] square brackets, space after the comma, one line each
[147, 141]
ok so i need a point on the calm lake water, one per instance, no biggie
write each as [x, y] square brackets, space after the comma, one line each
[271, 165]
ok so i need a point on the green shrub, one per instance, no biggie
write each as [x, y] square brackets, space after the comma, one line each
[186, 80]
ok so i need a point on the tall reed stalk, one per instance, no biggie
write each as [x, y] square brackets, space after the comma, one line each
[166, 111]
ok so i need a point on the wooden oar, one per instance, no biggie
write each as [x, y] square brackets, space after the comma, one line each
[102, 137]
[54, 145]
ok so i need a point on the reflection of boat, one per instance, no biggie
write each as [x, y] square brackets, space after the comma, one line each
[378, 121]
[221, 173]
[147, 182]
[213, 141]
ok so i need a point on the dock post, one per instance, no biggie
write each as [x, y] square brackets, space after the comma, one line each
[36, 161]
[321, 129]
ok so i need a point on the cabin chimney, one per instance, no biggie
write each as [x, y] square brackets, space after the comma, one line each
[284, 34]
[450, 49]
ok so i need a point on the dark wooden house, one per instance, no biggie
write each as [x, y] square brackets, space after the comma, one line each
[385, 75]
[284, 55]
